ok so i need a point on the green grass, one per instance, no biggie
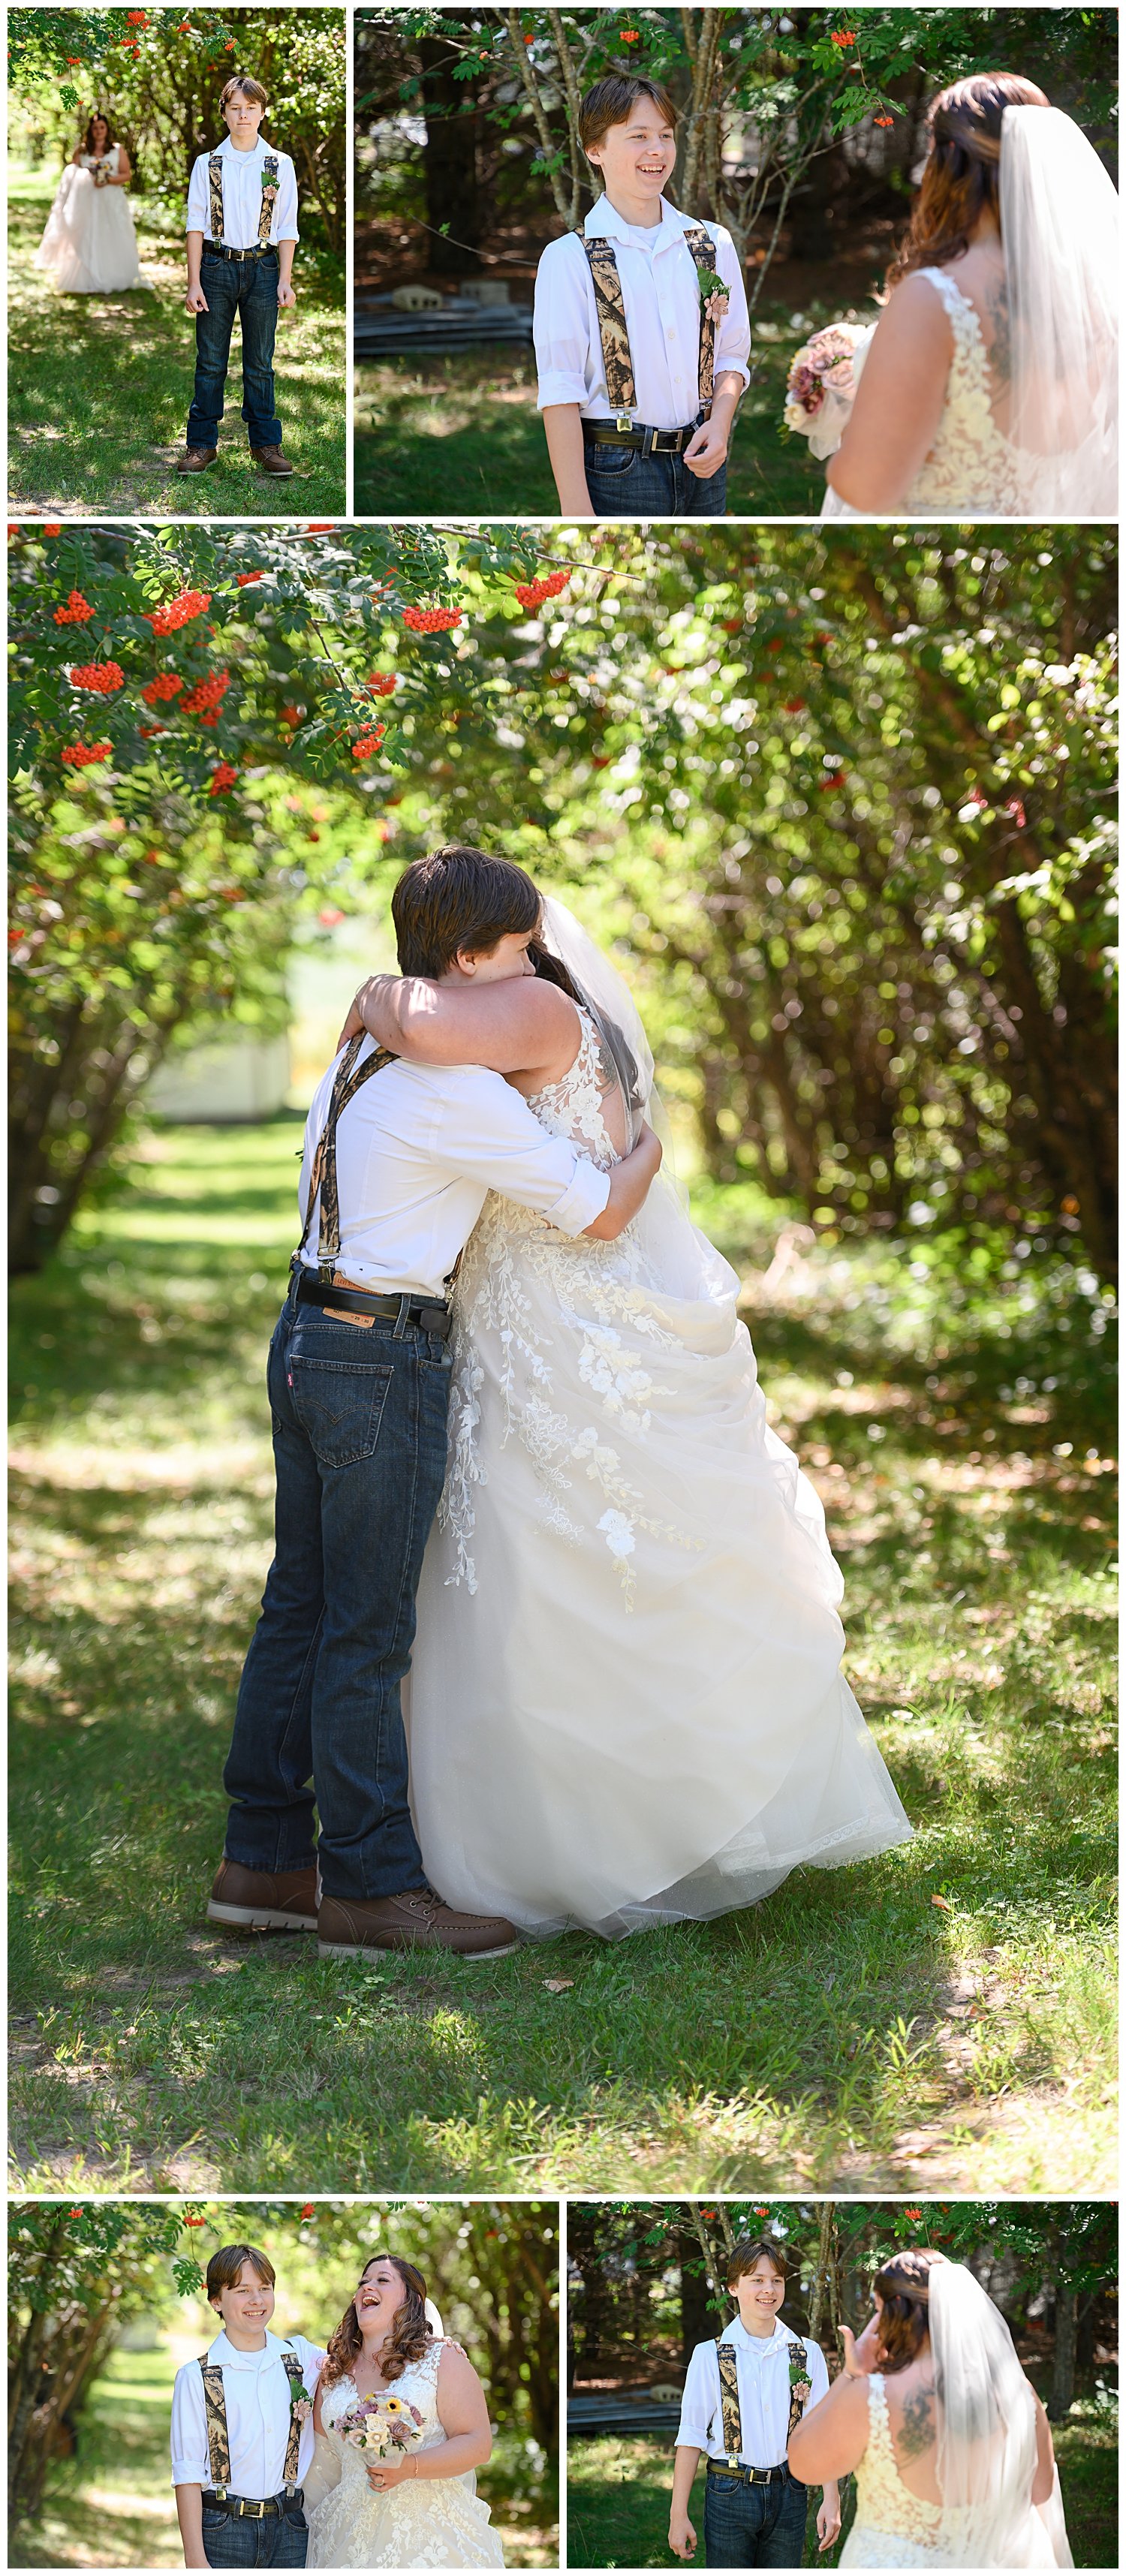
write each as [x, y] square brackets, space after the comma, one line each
[461, 434]
[851, 2031]
[99, 388]
[618, 2489]
[111, 2504]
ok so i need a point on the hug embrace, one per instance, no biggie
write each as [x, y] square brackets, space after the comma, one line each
[521, 1450]
[288, 2454]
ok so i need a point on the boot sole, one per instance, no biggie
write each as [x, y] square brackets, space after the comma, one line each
[359, 1949]
[188, 470]
[259, 1918]
[271, 473]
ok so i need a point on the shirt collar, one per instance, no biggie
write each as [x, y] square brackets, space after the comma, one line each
[259, 146]
[604, 218]
[737, 2333]
[223, 2352]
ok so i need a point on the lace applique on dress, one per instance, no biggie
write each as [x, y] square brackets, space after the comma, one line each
[595, 1290]
[884, 2506]
[971, 465]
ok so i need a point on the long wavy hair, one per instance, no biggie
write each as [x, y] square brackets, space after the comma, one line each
[98, 117]
[961, 181]
[410, 2333]
[904, 2288]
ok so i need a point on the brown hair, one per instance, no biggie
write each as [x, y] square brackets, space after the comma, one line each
[225, 2266]
[459, 898]
[904, 2287]
[251, 89]
[750, 2250]
[961, 181]
[612, 100]
[97, 117]
[410, 2332]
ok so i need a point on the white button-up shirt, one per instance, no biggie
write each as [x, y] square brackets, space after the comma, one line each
[417, 1152]
[256, 2389]
[242, 196]
[762, 2371]
[661, 295]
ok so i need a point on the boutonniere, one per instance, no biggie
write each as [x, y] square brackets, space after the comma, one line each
[799, 2377]
[300, 2402]
[713, 293]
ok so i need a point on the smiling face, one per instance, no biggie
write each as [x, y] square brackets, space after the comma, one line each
[381, 2293]
[247, 2306]
[635, 160]
[760, 2293]
[99, 133]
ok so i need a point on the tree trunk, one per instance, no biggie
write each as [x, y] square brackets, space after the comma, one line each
[697, 2316]
[1063, 2358]
[452, 199]
[821, 2274]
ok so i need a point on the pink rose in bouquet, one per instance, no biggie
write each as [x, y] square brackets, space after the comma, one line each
[381, 2425]
[822, 381]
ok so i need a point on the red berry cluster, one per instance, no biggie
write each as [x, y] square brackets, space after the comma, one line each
[242, 578]
[222, 779]
[52, 527]
[76, 612]
[178, 612]
[837, 780]
[206, 694]
[165, 685]
[368, 743]
[136, 17]
[79, 755]
[382, 683]
[291, 715]
[102, 677]
[844, 37]
[432, 621]
[531, 594]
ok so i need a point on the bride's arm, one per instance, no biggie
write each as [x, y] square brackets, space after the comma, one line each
[464, 2417]
[521, 1025]
[894, 419]
[1045, 2472]
[833, 2435]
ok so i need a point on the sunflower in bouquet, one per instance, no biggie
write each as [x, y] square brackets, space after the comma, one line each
[381, 2425]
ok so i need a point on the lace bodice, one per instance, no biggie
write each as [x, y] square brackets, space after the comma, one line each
[418, 2385]
[573, 1107]
[971, 465]
[883, 2503]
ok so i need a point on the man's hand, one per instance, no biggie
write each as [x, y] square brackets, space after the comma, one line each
[828, 2520]
[682, 2537]
[286, 295]
[195, 301]
[705, 452]
[385, 2474]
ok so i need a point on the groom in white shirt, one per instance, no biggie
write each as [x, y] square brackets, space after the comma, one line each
[399, 1159]
[242, 2426]
[743, 2395]
[242, 234]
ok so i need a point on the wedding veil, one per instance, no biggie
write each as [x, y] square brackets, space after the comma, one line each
[987, 2430]
[625, 1048]
[1059, 227]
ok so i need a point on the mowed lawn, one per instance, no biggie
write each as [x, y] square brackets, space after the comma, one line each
[942, 2018]
[460, 434]
[99, 388]
[618, 2490]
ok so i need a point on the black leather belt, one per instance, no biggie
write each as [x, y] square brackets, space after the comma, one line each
[649, 442]
[750, 2477]
[219, 250]
[251, 2508]
[431, 1314]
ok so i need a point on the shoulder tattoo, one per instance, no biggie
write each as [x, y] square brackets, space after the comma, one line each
[917, 2431]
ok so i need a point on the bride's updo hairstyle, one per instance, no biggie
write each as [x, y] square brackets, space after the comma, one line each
[962, 178]
[98, 117]
[904, 2289]
[410, 2332]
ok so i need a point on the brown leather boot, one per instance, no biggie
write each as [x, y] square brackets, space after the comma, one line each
[270, 460]
[195, 460]
[261, 1900]
[415, 1917]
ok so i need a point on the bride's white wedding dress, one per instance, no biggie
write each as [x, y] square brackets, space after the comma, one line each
[89, 244]
[894, 2528]
[425, 2522]
[972, 469]
[626, 1704]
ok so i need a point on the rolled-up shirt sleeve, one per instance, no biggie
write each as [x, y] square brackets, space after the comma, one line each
[285, 203]
[561, 324]
[701, 2394]
[733, 334]
[199, 211]
[191, 2466]
[498, 1141]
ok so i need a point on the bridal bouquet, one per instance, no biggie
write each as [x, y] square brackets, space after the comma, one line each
[823, 377]
[381, 2425]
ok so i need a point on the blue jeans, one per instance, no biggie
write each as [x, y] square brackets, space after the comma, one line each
[248, 287]
[747, 2526]
[624, 484]
[278, 2540]
[359, 1414]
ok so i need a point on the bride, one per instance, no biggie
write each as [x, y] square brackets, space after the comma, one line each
[949, 2441]
[89, 243]
[626, 1702]
[990, 383]
[417, 2507]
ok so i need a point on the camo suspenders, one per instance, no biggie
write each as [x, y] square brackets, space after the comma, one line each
[266, 210]
[322, 1176]
[617, 361]
[218, 2438]
[729, 2398]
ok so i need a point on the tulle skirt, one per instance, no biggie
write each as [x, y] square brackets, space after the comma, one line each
[626, 1705]
[89, 244]
[435, 2522]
